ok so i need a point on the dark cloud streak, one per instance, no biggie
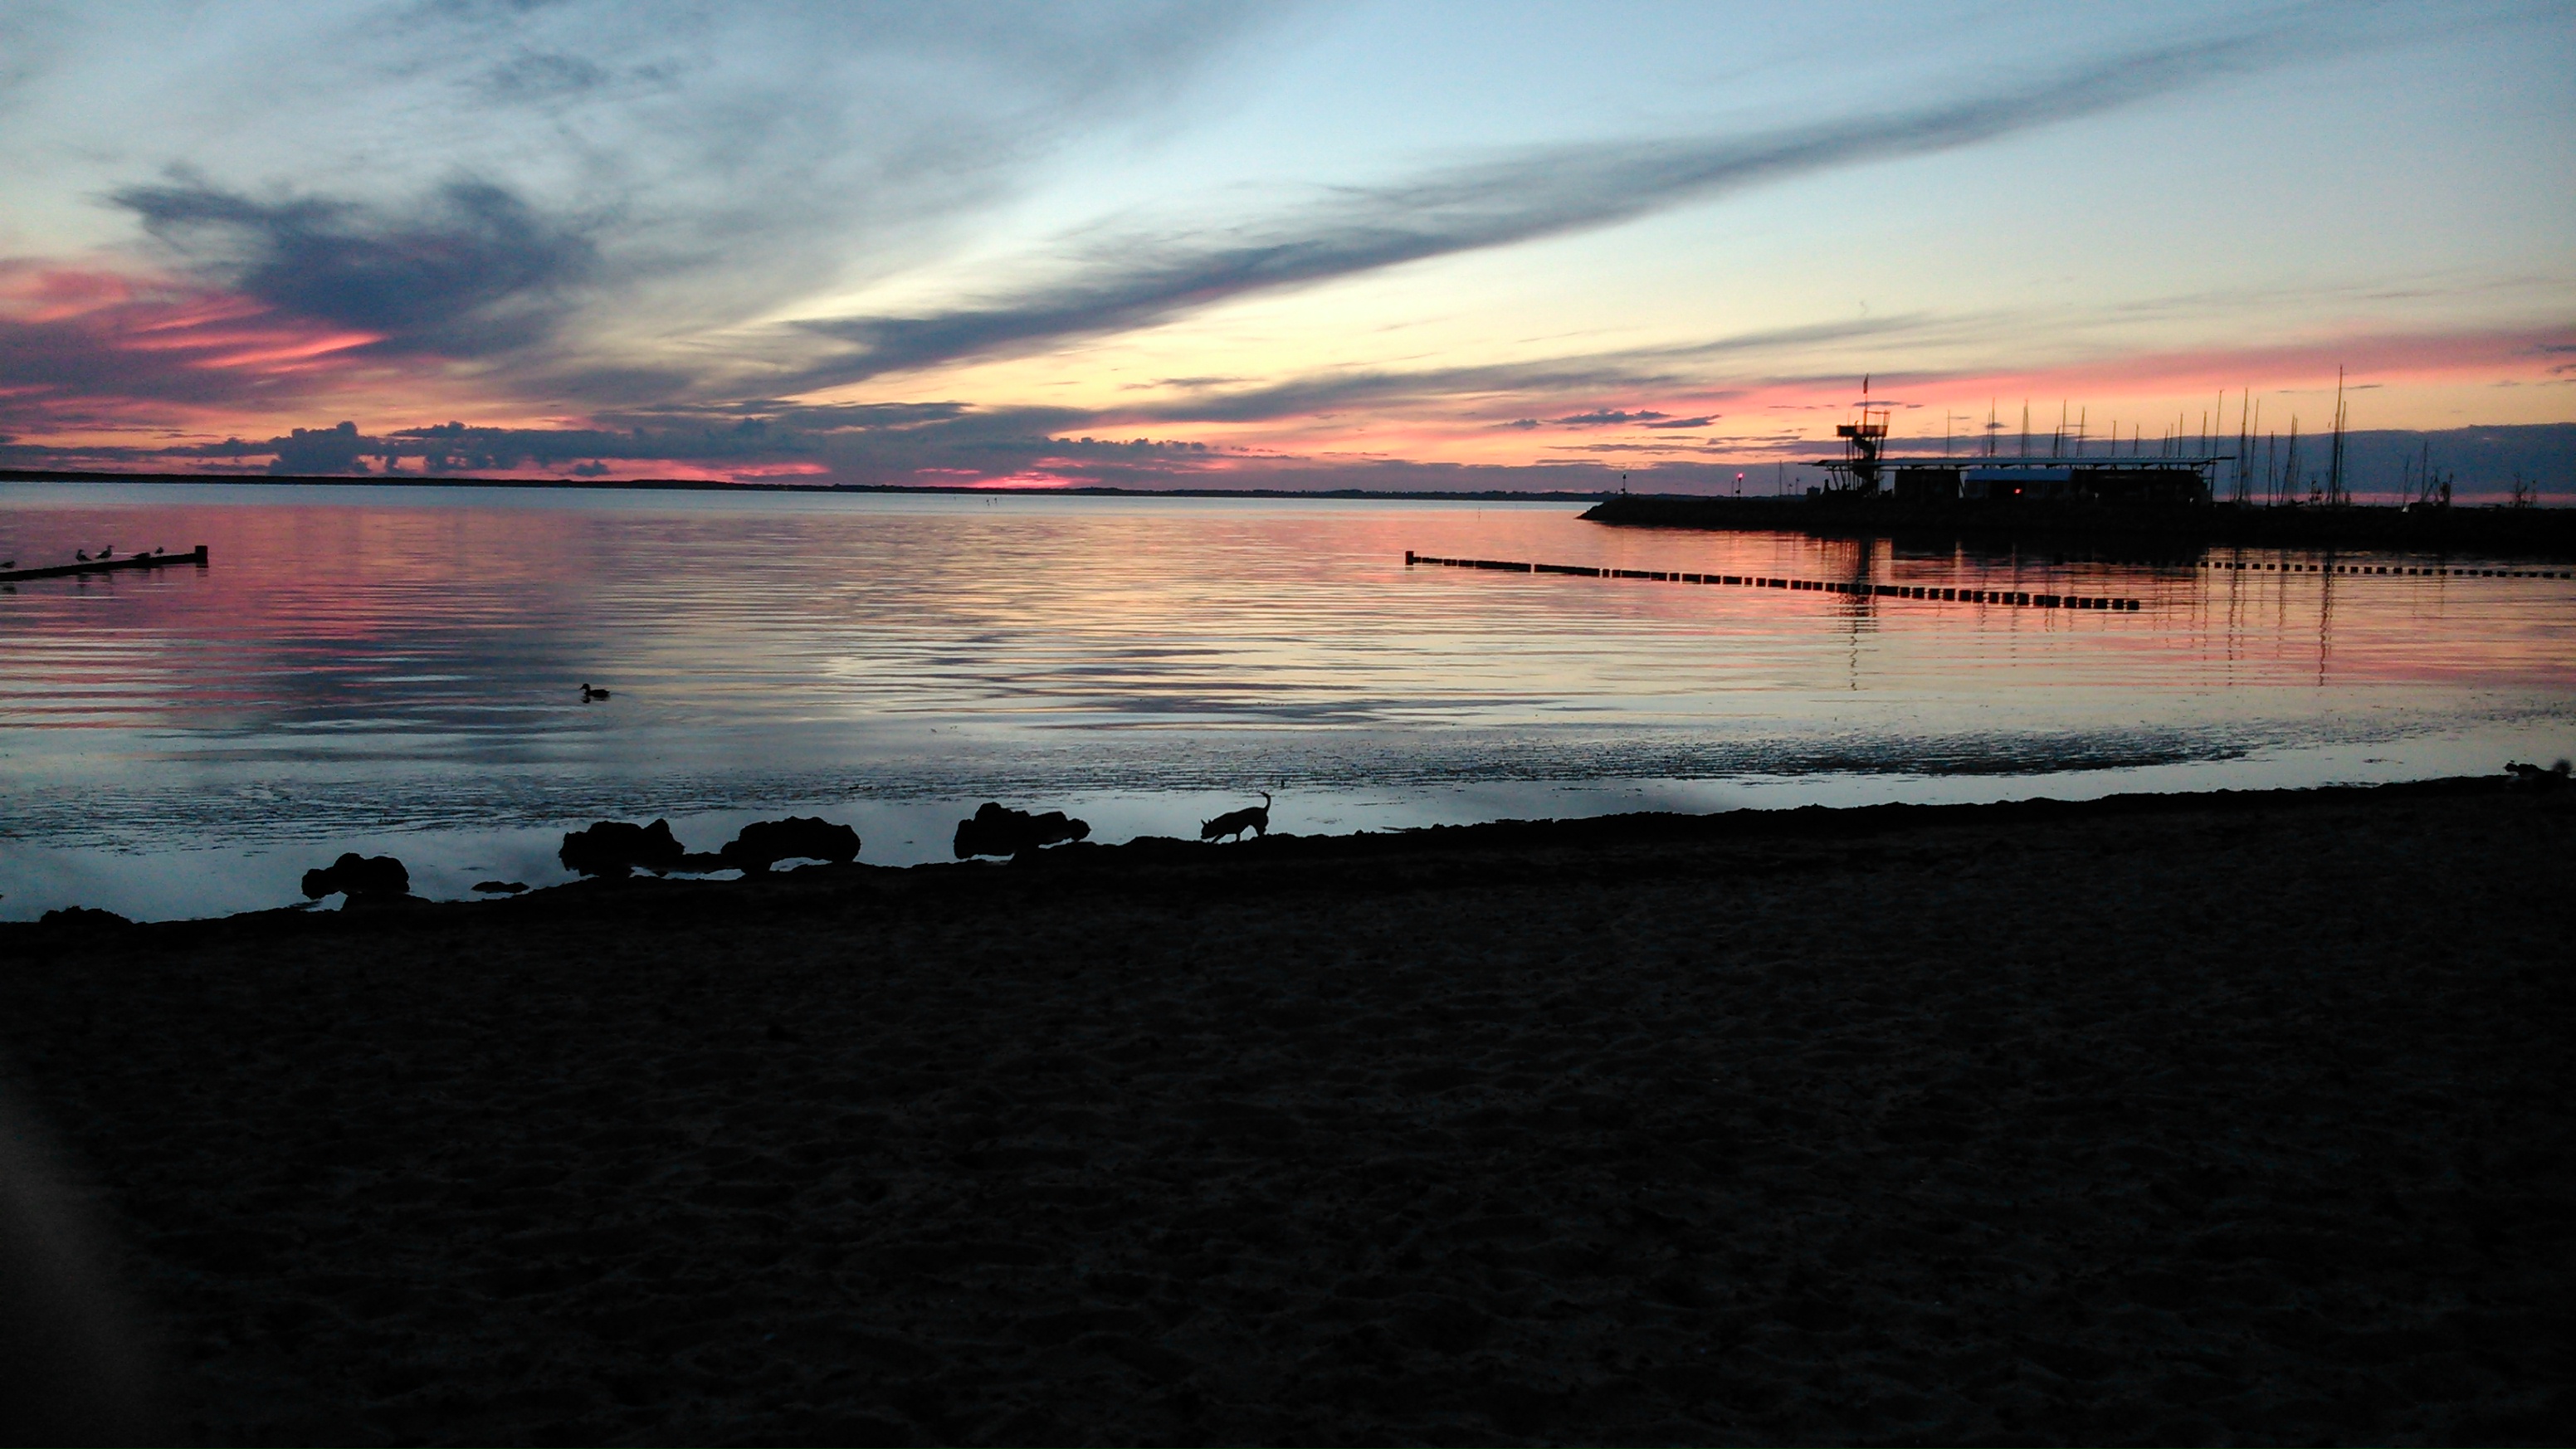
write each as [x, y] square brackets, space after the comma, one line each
[589, 201]
[469, 271]
[1630, 371]
[1606, 418]
[1538, 193]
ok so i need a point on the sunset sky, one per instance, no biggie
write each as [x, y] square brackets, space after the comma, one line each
[1374, 245]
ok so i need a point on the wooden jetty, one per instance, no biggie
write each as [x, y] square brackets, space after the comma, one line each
[1926, 593]
[195, 556]
[2174, 531]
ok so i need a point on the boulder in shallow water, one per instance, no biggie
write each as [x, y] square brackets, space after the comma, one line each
[614, 847]
[764, 843]
[357, 875]
[998, 830]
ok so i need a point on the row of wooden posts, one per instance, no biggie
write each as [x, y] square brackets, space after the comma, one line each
[2008, 598]
[2390, 569]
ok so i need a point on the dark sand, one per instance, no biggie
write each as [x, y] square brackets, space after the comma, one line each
[2199, 1119]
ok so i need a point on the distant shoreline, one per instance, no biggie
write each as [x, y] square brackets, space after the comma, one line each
[2546, 530]
[717, 485]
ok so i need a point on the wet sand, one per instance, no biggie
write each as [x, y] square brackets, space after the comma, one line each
[2221, 1118]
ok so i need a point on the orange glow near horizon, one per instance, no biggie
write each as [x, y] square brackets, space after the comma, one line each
[159, 363]
[2426, 382]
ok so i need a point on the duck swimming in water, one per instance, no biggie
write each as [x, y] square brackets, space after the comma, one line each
[588, 694]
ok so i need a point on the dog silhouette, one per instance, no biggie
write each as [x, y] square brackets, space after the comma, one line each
[1255, 818]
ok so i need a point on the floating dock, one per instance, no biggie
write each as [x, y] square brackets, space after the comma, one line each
[196, 556]
[1930, 594]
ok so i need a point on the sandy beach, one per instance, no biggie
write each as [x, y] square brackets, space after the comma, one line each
[2238, 1118]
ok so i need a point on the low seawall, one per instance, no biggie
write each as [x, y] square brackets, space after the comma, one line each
[2515, 532]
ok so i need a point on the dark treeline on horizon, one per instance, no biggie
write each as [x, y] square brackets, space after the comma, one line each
[2484, 465]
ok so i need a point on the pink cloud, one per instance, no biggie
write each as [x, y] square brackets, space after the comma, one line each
[84, 347]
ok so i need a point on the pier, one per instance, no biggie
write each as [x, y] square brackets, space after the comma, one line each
[196, 556]
[1924, 593]
[2174, 533]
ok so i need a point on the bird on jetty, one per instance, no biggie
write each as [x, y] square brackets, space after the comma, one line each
[588, 694]
[79, 557]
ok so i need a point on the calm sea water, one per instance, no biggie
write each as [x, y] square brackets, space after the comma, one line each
[397, 669]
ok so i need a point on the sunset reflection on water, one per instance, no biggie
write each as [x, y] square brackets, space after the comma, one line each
[375, 663]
